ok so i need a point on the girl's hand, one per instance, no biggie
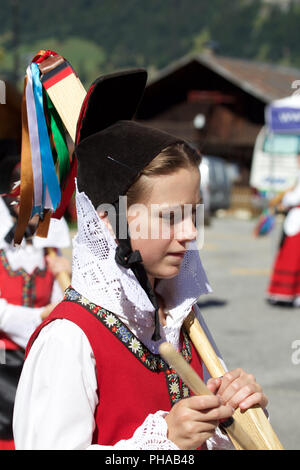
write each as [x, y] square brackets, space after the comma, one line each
[238, 389]
[193, 420]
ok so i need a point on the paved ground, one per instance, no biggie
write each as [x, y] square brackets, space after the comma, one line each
[249, 332]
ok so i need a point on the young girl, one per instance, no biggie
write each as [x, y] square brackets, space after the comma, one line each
[93, 378]
[284, 285]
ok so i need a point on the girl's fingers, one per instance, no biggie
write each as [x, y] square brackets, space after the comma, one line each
[208, 426]
[205, 402]
[238, 390]
[255, 399]
[234, 398]
[216, 414]
[206, 408]
[228, 378]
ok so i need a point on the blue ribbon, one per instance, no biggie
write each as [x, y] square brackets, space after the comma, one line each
[48, 168]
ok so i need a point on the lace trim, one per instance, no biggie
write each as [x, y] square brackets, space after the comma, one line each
[176, 387]
[151, 435]
[219, 441]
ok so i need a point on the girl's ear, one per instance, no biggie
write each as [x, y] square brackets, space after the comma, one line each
[104, 217]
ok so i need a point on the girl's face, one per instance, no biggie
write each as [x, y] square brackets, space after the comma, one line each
[162, 224]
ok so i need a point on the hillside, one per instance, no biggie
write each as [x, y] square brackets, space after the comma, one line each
[103, 35]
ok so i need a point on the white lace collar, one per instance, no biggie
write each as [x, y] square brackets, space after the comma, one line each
[97, 276]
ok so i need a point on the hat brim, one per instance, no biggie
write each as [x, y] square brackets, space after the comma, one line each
[111, 98]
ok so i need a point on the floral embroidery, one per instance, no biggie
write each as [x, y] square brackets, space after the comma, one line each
[176, 388]
[135, 345]
[71, 294]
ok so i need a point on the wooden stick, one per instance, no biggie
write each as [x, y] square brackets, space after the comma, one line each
[194, 382]
[254, 420]
[63, 277]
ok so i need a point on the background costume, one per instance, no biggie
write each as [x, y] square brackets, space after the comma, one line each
[112, 393]
[26, 286]
[284, 284]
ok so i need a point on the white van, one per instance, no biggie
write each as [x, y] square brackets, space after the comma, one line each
[275, 162]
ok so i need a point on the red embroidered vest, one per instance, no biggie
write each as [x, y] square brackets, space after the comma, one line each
[132, 382]
[20, 288]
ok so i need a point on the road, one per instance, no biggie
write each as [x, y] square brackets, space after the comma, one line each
[249, 332]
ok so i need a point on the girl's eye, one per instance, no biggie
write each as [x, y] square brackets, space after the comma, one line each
[174, 217]
[169, 216]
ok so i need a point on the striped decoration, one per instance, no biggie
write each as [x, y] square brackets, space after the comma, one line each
[56, 75]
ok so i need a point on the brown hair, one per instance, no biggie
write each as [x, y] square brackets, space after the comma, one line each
[168, 161]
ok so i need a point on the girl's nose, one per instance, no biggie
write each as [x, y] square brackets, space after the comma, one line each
[186, 231]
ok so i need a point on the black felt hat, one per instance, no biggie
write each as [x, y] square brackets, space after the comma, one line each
[112, 149]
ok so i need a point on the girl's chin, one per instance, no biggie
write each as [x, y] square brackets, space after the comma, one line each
[167, 273]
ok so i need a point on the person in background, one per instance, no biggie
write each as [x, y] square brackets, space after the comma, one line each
[284, 286]
[28, 289]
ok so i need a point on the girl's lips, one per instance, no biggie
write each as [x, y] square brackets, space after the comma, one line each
[180, 254]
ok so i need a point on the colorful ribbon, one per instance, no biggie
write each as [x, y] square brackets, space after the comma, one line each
[35, 147]
[47, 170]
[60, 144]
[50, 182]
[26, 190]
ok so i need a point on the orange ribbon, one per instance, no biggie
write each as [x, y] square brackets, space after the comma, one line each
[43, 225]
[26, 190]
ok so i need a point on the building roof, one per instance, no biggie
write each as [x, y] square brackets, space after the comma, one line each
[264, 81]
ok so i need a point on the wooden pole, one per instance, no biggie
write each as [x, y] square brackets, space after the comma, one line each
[253, 421]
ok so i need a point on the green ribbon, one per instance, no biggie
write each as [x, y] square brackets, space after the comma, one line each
[60, 150]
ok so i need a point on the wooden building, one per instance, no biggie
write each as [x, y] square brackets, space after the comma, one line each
[215, 102]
